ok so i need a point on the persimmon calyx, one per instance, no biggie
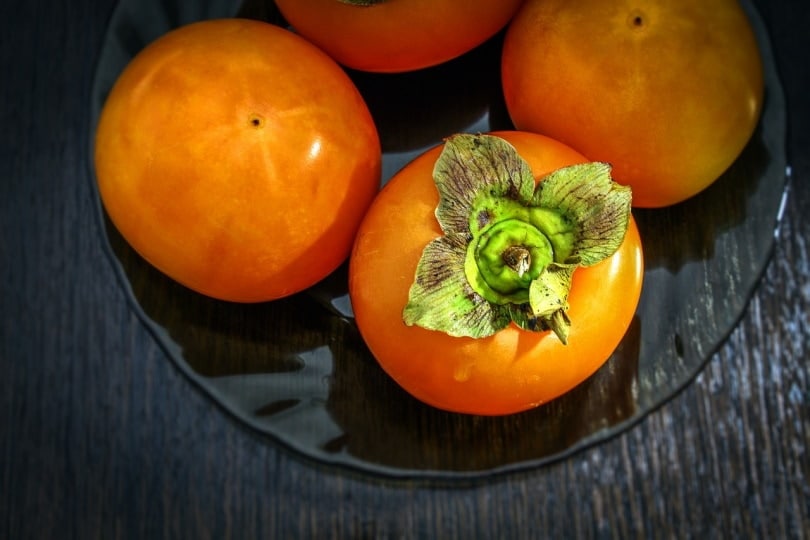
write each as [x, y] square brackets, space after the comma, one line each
[510, 247]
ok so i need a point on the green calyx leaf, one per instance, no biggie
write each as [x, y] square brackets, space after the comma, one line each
[441, 298]
[548, 302]
[510, 247]
[596, 207]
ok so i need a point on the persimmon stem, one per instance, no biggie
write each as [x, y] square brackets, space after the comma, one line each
[518, 259]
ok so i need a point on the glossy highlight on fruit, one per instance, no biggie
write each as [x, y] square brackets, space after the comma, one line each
[237, 158]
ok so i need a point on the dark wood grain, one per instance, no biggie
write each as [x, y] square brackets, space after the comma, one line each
[101, 437]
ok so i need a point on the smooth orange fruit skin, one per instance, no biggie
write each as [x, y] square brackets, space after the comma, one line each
[397, 35]
[669, 92]
[237, 158]
[508, 372]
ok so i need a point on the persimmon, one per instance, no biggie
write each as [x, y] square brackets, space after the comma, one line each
[667, 92]
[397, 35]
[237, 158]
[481, 330]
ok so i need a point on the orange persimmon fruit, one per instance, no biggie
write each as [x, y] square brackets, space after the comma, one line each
[513, 369]
[667, 92]
[237, 158]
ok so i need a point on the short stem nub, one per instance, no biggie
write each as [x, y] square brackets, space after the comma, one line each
[518, 258]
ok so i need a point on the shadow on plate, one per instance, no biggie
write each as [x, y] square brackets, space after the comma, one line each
[277, 343]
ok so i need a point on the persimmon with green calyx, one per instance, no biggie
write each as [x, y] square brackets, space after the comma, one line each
[397, 35]
[237, 158]
[496, 272]
[669, 93]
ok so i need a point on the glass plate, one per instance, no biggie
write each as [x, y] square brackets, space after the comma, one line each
[297, 370]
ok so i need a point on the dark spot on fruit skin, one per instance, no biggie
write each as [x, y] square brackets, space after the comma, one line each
[637, 20]
[483, 218]
[256, 120]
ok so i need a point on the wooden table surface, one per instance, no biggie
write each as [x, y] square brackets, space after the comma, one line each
[102, 437]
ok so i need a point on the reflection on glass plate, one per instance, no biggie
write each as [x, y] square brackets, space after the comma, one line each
[297, 370]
